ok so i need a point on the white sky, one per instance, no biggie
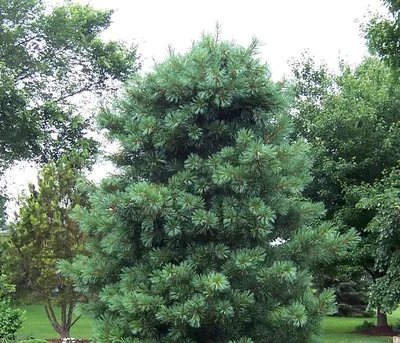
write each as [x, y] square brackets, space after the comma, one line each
[328, 29]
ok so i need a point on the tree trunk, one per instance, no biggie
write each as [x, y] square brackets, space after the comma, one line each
[63, 327]
[381, 318]
[64, 332]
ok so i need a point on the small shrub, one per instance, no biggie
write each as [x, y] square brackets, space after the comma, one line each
[10, 319]
[364, 326]
[396, 327]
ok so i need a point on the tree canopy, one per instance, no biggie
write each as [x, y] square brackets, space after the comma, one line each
[50, 58]
[47, 58]
[352, 121]
[383, 34]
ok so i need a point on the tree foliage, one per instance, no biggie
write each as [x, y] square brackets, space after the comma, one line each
[44, 233]
[183, 239]
[383, 34]
[352, 121]
[47, 57]
[383, 198]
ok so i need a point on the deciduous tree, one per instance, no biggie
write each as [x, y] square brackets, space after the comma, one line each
[44, 233]
[48, 58]
[352, 121]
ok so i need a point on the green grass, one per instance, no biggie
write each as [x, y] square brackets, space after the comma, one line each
[38, 326]
[338, 330]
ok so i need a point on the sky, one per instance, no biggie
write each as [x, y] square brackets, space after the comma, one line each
[328, 29]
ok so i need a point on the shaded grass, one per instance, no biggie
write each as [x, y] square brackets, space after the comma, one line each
[337, 330]
[37, 325]
[340, 330]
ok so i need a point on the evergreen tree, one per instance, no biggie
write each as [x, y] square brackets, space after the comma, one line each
[351, 286]
[43, 234]
[203, 235]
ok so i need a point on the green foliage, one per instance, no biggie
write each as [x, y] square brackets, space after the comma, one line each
[183, 239]
[10, 319]
[383, 34]
[51, 60]
[396, 327]
[44, 233]
[364, 326]
[47, 58]
[353, 126]
[383, 198]
[351, 289]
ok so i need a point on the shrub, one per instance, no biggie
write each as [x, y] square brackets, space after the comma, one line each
[10, 319]
[396, 327]
[364, 326]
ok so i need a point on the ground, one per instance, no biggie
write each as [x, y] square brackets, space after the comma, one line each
[337, 330]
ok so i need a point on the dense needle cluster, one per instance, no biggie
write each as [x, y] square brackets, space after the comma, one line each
[203, 235]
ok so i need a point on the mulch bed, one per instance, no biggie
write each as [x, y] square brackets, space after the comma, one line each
[379, 331]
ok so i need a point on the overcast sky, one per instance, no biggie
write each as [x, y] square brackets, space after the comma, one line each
[328, 29]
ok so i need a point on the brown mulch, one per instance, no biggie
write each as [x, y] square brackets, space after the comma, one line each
[58, 340]
[379, 331]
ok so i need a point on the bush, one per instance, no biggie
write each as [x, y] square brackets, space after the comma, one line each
[396, 327]
[364, 326]
[10, 319]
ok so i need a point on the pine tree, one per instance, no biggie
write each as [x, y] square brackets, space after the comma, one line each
[203, 234]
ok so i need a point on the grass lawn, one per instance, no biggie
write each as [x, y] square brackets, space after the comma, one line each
[37, 325]
[338, 330]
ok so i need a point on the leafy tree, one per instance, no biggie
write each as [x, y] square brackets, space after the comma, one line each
[44, 233]
[351, 119]
[47, 58]
[183, 240]
[383, 198]
[383, 34]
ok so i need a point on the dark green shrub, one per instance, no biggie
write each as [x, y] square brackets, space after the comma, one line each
[364, 326]
[396, 327]
[10, 319]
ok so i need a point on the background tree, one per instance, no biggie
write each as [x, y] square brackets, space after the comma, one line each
[383, 198]
[382, 33]
[44, 233]
[48, 57]
[351, 285]
[180, 239]
[351, 119]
